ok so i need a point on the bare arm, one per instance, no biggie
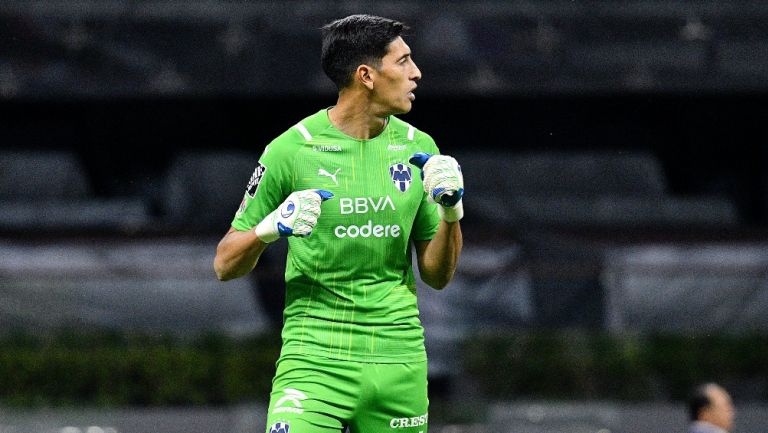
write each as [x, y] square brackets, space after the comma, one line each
[237, 254]
[437, 258]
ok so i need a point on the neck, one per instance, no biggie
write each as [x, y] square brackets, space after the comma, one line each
[355, 116]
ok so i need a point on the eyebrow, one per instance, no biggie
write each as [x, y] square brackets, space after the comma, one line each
[404, 56]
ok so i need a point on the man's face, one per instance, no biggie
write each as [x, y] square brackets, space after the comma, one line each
[395, 80]
[720, 412]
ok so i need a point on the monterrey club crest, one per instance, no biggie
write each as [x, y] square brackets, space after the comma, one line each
[279, 427]
[401, 176]
[253, 184]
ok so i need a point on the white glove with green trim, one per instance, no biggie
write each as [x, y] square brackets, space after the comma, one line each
[443, 183]
[296, 216]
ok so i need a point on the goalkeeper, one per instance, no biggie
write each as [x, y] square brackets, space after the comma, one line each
[353, 188]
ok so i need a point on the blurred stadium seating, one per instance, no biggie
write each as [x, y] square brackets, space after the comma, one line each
[150, 285]
[203, 189]
[130, 129]
[693, 289]
[491, 288]
[165, 47]
[588, 190]
[49, 190]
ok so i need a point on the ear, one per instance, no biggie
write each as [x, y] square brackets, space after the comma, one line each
[365, 75]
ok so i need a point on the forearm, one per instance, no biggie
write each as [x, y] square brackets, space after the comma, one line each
[441, 255]
[237, 254]
[238, 251]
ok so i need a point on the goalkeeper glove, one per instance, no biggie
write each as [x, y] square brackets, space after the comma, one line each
[443, 183]
[296, 216]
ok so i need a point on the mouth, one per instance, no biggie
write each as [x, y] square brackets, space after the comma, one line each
[411, 95]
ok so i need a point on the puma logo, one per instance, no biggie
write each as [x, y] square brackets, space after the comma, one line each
[322, 172]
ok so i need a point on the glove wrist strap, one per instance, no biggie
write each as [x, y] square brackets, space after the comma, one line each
[266, 230]
[451, 214]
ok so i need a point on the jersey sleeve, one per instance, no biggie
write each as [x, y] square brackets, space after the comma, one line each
[270, 184]
[427, 219]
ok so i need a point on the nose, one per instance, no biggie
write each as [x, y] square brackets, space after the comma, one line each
[416, 73]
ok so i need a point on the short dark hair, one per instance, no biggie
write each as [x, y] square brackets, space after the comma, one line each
[352, 41]
[698, 399]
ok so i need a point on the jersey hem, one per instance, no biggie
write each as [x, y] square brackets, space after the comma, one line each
[240, 227]
[287, 351]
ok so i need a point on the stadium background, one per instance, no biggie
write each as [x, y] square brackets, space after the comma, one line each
[617, 207]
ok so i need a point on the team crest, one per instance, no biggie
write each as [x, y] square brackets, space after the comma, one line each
[279, 427]
[401, 176]
[253, 184]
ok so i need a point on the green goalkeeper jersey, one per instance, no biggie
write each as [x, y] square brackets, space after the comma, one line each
[350, 289]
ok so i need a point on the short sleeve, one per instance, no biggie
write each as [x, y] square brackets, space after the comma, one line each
[270, 183]
[427, 219]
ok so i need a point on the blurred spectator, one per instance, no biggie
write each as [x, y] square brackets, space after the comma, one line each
[710, 409]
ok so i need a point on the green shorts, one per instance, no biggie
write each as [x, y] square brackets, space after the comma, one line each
[321, 395]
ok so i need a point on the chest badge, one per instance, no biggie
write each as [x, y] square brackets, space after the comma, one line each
[401, 176]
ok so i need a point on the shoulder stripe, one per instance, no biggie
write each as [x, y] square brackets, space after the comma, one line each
[411, 131]
[304, 132]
